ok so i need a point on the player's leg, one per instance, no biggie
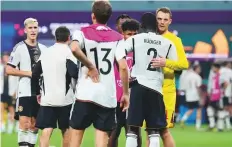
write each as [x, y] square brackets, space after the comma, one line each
[227, 113]
[63, 123]
[154, 115]
[81, 118]
[170, 104]
[198, 118]
[104, 122]
[2, 121]
[211, 115]
[191, 106]
[46, 121]
[11, 120]
[33, 131]
[24, 112]
[167, 138]
[113, 140]
[135, 114]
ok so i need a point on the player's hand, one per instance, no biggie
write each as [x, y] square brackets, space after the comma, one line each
[93, 74]
[158, 62]
[125, 102]
[38, 98]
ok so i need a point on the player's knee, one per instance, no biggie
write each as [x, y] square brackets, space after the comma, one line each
[210, 111]
[24, 124]
[164, 132]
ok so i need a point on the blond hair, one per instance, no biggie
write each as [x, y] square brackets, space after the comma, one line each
[30, 20]
[164, 10]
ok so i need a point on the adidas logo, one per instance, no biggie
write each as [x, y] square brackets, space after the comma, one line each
[206, 50]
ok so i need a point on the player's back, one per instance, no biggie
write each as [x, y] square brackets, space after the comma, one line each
[100, 44]
[193, 81]
[55, 79]
[146, 47]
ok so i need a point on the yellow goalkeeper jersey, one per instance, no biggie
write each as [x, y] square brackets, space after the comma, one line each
[180, 64]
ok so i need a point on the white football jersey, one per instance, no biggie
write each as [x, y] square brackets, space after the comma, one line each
[193, 82]
[226, 76]
[147, 46]
[102, 54]
[24, 57]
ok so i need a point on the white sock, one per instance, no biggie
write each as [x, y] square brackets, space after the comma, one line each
[131, 140]
[17, 126]
[23, 138]
[10, 127]
[154, 140]
[227, 120]
[198, 123]
[33, 135]
[212, 122]
[211, 115]
[3, 127]
[184, 118]
[220, 122]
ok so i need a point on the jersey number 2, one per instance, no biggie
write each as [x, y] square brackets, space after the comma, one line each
[154, 56]
[107, 52]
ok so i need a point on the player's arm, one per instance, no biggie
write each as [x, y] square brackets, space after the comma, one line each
[120, 55]
[76, 47]
[182, 62]
[77, 52]
[36, 73]
[13, 62]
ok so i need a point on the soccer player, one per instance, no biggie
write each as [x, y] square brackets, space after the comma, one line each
[57, 94]
[164, 19]
[96, 102]
[193, 95]
[214, 90]
[122, 18]
[24, 56]
[8, 95]
[146, 99]
[129, 28]
[225, 101]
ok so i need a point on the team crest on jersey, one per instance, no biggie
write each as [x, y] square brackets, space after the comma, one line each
[20, 108]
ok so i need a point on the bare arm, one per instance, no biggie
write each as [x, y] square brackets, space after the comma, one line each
[16, 72]
[77, 52]
[124, 75]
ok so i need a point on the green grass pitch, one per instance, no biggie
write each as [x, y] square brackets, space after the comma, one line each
[187, 137]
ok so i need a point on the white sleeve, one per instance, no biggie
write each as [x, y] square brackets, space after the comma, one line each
[172, 52]
[199, 82]
[120, 51]
[15, 57]
[78, 36]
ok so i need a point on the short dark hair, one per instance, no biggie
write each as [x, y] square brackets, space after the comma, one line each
[148, 22]
[130, 25]
[62, 34]
[102, 11]
[225, 63]
[122, 16]
[217, 65]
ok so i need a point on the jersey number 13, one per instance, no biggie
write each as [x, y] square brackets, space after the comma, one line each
[106, 51]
